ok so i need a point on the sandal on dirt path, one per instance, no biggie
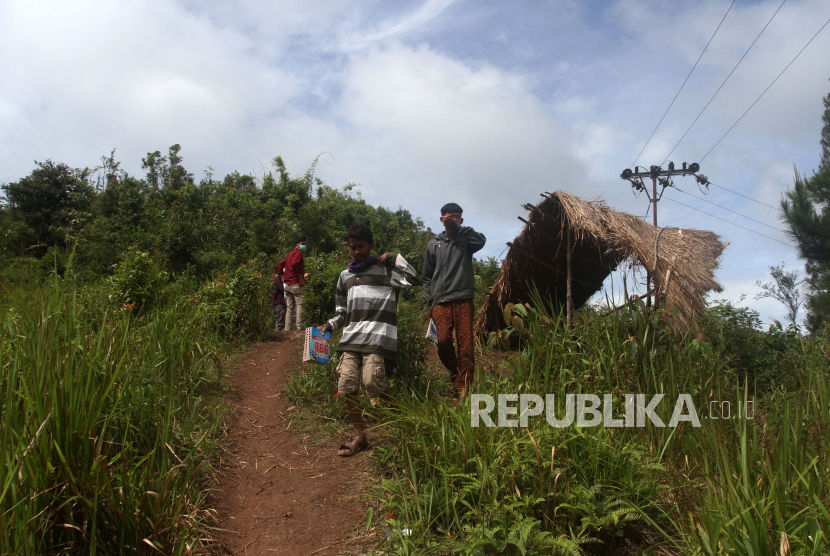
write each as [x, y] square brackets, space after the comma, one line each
[358, 444]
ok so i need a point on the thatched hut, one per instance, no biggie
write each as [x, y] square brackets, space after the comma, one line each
[681, 262]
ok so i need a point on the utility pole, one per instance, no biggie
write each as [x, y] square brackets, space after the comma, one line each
[656, 173]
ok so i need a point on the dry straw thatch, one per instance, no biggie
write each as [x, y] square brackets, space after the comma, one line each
[602, 240]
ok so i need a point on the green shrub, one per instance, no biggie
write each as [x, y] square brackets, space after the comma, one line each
[318, 301]
[486, 272]
[735, 333]
[236, 305]
[137, 280]
[21, 271]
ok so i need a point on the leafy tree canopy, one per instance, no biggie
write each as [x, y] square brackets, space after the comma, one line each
[198, 228]
[44, 205]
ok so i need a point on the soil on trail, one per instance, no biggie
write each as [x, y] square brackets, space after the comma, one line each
[279, 496]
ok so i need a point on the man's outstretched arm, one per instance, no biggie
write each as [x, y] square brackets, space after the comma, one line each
[475, 240]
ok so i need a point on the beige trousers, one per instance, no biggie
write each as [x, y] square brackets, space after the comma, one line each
[349, 371]
[294, 306]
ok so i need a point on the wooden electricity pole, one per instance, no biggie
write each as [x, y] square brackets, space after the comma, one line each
[656, 173]
[654, 198]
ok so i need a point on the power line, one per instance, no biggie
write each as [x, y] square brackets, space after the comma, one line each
[728, 222]
[744, 196]
[730, 210]
[724, 81]
[765, 90]
[684, 83]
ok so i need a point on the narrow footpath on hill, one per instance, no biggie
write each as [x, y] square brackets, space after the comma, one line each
[278, 495]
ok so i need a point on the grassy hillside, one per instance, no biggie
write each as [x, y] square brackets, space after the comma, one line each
[748, 483]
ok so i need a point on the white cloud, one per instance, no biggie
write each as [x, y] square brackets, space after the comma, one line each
[128, 75]
[428, 11]
[429, 129]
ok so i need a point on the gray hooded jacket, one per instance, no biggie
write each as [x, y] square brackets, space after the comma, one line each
[448, 266]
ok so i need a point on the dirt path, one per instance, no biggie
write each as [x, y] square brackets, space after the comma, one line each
[279, 496]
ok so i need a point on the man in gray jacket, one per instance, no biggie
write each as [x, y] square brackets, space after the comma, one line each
[449, 289]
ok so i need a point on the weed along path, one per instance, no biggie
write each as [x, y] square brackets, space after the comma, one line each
[278, 495]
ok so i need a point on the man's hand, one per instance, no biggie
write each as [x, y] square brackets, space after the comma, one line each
[449, 221]
[325, 328]
[382, 259]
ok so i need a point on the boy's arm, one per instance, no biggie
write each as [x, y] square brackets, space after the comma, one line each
[339, 308]
[426, 275]
[403, 273]
[474, 239]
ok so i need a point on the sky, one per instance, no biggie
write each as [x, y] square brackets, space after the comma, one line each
[487, 103]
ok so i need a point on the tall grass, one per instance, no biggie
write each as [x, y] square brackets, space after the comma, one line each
[755, 483]
[107, 419]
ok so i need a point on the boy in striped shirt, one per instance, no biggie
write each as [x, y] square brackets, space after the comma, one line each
[366, 309]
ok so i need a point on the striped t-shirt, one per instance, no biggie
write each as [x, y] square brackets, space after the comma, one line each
[367, 306]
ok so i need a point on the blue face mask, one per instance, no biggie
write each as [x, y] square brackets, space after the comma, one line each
[301, 248]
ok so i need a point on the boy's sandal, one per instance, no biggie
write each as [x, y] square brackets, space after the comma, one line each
[358, 444]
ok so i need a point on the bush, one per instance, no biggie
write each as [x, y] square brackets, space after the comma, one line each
[137, 280]
[318, 301]
[237, 304]
[22, 270]
[735, 333]
[486, 272]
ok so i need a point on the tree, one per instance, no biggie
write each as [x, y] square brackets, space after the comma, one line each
[166, 172]
[785, 288]
[196, 230]
[806, 209]
[177, 176]
[156, 166]
[48, 199]
[111, 169]
[824, 166]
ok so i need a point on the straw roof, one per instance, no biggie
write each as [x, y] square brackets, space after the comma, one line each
[602, 240]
